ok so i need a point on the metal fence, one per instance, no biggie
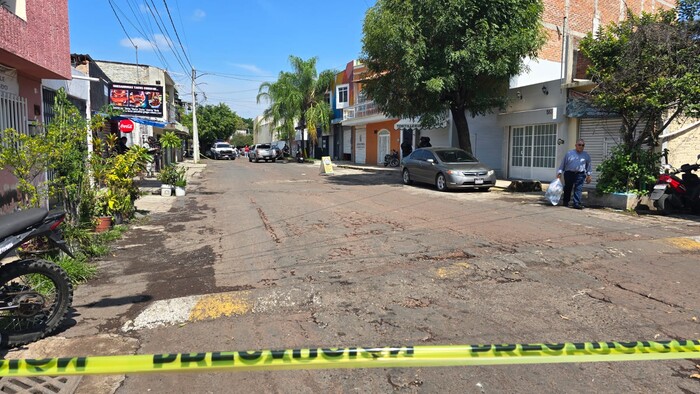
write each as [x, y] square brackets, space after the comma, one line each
[13, 114]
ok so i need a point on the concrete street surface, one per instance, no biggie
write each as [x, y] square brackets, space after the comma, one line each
[277, 256]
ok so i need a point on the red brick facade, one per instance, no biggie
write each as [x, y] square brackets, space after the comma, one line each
[583, 15]
[39, 46]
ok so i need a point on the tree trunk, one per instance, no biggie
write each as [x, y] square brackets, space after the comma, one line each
[459, 116]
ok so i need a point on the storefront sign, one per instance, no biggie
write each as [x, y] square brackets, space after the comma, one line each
[8, 80]
[143, 100]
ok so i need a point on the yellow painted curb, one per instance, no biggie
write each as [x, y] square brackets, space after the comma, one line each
[685, 243]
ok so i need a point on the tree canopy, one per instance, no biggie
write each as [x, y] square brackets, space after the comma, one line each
[425, 57]
[215, 122]
[298, 96]
[647, 70]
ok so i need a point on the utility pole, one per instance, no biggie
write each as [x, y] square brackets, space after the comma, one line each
[195, 132]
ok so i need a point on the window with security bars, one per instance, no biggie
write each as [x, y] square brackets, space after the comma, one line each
[544, 145]
[534, 146]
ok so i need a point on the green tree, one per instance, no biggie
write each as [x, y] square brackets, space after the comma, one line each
[242, 139]
[647, 70]
[298, 95]
[214, 122]
[425, 57]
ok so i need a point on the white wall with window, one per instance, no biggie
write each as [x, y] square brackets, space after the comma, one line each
[342, 96]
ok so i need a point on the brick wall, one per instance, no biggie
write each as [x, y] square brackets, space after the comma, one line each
[583, 15]
[40, 45]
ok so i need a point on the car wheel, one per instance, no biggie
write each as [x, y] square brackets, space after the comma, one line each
[441, 182]
[406, 177]
[250, 159]
[274, 160]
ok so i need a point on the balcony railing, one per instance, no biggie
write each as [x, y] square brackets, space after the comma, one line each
[360, 110]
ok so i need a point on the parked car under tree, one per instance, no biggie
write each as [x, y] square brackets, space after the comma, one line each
[222, 150]
[447, 168]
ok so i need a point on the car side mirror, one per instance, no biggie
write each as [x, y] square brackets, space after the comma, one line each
[431, 161]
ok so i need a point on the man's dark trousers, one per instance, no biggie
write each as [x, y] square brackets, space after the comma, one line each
[573, 180]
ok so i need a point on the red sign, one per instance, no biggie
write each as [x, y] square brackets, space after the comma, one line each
[126, 126]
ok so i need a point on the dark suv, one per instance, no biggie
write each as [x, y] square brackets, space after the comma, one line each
[263, 152]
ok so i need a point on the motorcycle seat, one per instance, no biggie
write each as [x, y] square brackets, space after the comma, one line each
[18, 221]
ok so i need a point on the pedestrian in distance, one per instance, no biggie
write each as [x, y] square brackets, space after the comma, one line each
[576, 169]
[246, 150]
[122, 148]
[406, 148]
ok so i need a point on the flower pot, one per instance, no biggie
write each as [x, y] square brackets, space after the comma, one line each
[179, 191]
[166, 190]
[103, 224]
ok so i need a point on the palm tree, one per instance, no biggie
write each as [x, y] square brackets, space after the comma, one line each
[299, 96]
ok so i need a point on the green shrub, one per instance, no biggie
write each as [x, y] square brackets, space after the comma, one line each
[628, 170]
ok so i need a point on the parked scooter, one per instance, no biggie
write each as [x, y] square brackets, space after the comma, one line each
[677, 193]
[392, 159]
[35, 294]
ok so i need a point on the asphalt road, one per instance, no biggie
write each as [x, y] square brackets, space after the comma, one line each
[276, 256]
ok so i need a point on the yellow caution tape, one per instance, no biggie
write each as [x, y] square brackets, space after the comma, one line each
[357, 357]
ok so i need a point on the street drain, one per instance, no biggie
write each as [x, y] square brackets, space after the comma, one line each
[40, 384]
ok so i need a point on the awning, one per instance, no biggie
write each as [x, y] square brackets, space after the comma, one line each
[178, 128]
[414, 123]
[147, 122]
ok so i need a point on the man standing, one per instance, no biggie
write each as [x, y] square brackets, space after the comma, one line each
[576, 167]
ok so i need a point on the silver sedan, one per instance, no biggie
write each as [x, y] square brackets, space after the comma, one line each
[447, 168]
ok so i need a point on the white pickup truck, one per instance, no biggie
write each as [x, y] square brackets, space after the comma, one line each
[222, 150]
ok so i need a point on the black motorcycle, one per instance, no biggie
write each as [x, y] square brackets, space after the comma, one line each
[35, 294]
[392, 159]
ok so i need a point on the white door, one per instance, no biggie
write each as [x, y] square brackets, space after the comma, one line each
[533, 152]
[383, 145]
[360, 146]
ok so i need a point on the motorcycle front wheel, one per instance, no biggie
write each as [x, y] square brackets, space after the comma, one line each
[35, 296]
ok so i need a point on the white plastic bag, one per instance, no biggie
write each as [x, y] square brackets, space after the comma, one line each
[554, 191]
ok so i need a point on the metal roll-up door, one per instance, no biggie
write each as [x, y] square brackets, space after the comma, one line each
[600, 135]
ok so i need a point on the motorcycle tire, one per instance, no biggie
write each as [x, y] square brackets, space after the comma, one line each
[44, 293]
[394, 163]
[663, 204]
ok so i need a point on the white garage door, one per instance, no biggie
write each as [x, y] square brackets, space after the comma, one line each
[600, 135]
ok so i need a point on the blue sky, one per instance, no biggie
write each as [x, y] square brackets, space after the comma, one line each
[237, 44]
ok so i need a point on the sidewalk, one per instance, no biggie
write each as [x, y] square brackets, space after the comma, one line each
[151, 200]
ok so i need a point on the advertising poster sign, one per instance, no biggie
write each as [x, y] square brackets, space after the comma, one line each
[144, 100]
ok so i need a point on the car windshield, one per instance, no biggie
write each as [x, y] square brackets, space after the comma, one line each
[455, 156]
[264, 146]
[223, 146]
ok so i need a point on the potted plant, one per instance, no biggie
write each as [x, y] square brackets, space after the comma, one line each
[168, 176]
[102, 210]
[181, 181]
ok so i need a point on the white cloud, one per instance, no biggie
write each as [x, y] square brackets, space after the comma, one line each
[198, 15]
[250, 68]
[145, 44]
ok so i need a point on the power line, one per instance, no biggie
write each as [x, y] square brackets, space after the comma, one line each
[177, 35]
[165, 33]
[120, 23]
